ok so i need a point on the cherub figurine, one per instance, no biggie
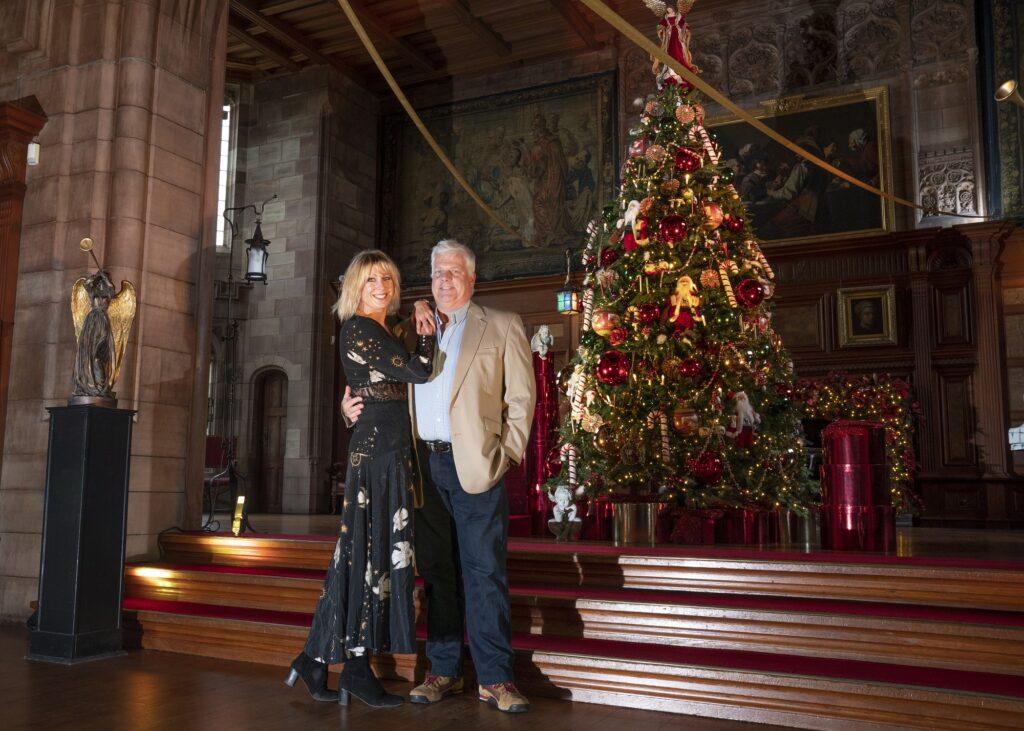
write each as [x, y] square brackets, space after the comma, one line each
[674, 34]
[563, 509]
[102, 321]
[542, 341]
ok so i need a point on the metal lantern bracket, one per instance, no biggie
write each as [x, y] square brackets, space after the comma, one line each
[256, 271]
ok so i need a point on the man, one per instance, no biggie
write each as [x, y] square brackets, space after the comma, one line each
[472, 420]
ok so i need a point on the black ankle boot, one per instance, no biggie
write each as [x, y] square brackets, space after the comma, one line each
[314, 676]
[358, 679]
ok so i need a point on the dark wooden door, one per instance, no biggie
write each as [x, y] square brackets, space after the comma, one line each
[270, 415]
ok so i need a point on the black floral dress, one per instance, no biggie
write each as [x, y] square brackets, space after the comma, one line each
[367, 598]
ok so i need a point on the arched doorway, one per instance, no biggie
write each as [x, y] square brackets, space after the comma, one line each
[270, 411]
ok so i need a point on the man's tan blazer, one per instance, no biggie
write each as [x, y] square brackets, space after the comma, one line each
[493, 395]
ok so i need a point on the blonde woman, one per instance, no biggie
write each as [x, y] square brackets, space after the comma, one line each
[366, 605]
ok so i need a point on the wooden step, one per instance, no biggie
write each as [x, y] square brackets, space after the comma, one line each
[955, 639]
[721, 684]
[853, 577]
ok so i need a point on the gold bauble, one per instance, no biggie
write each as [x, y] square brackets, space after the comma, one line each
[606, 440]
[604, 321]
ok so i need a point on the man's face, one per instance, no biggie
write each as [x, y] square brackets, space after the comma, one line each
[451, 282]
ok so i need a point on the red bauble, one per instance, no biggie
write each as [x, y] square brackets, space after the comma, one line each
[690, 368]
[672, 228]
[749, 292]
[649, 313]
[687, 160]
[618, 336]
[784, 389]
[612, 368]
[609, 256]
[706, 467]
[553, 462]
[734, 224]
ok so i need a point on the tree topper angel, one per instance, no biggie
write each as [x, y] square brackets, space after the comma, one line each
[674, 34]
[102, 322]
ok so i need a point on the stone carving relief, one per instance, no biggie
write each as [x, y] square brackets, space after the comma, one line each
[709, 55]
[946, 181]
[812, 50]
[872, 39]
[939, 29]
[943, 77]
[755, 61]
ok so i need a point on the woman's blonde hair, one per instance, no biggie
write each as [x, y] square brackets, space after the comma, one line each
[355, 277]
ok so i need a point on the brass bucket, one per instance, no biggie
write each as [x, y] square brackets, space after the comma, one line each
[635, 523]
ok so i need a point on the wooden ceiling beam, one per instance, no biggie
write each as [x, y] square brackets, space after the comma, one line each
[408, 51]
[577, 22]
[278, 55]
[292, 37]
[483, 31]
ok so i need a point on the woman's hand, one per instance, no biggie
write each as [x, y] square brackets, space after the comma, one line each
[423, 317]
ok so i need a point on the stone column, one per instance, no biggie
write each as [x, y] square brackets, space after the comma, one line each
[130, 87]
[18, 125]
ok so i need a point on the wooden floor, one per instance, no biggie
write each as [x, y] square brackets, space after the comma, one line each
[151, 691]
[992, 545]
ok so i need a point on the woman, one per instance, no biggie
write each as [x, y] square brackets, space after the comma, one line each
[366, 604]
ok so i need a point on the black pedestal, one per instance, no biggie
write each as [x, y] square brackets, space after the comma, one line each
[81, 576]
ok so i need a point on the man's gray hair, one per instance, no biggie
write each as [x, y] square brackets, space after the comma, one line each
[447, 246]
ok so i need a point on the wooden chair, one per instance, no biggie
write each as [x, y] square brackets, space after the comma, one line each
[336, 474]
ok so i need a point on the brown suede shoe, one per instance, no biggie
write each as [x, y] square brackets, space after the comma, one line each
[504, 697]
[436, 687]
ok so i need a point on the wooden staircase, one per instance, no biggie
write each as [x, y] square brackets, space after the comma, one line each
[810, 641]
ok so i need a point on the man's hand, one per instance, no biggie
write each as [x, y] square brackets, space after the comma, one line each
[423, 316]
[351, 406]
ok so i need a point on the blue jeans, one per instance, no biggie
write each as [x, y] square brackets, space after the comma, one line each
[461, 552]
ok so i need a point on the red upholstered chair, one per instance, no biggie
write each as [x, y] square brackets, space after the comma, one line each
[215, 474]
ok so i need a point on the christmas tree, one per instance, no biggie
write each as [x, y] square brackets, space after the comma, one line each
[680, 386]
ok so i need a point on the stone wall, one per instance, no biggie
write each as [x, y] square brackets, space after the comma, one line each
[125, 86]
[309, 138]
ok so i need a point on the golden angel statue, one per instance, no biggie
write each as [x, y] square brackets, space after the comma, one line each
[102, 322]
[674, 34]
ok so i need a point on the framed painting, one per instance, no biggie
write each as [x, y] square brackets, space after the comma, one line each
[542, 158]
[787, 197]
[867, 316]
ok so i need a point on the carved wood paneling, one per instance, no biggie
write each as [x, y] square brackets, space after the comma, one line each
[951, 315]
[957, 420]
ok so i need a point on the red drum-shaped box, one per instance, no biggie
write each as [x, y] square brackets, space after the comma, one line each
[853, 442]
[855, 484]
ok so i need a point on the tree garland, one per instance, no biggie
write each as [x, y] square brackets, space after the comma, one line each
[876, 397]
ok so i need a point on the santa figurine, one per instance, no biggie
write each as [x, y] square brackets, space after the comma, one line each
[630, 229]
[684, 305]
[744, 420]
[674, 34]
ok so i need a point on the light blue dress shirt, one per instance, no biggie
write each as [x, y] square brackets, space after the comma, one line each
[434, 398]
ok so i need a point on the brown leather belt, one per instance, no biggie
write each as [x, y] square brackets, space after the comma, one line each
[383, 392]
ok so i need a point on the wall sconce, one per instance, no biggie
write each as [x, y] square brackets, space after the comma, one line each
[32, 154]
[1009, 90]
[568, 297]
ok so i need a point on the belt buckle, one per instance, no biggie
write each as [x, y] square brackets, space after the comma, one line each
[439, 447]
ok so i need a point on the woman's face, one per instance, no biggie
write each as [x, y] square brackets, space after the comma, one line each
[378, 291]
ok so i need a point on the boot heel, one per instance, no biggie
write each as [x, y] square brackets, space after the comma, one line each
[293, 675]
[342, 697]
